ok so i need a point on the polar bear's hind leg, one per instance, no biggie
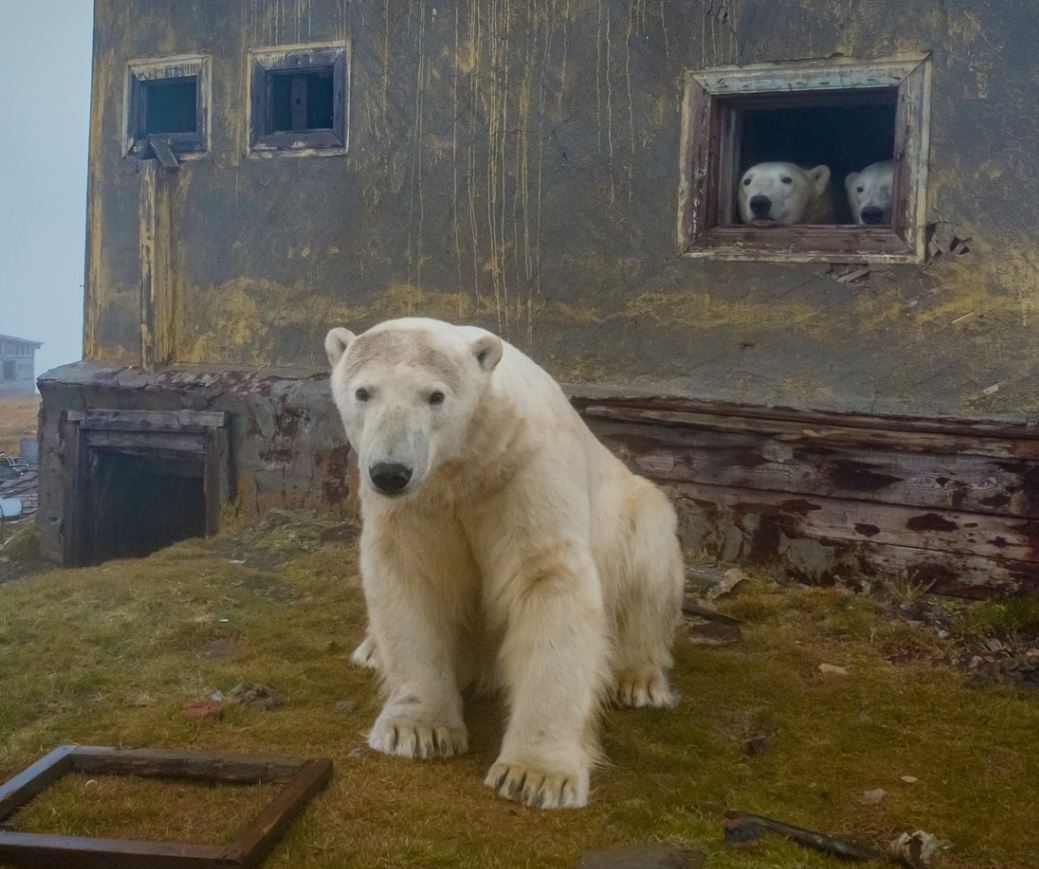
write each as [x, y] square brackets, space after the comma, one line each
[650, 609]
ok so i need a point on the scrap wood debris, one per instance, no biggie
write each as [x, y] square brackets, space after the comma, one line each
[912, 850]
[744, 828]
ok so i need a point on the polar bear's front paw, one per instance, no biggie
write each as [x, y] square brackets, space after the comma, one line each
[546, 789]
[408, 737]
[643, 688]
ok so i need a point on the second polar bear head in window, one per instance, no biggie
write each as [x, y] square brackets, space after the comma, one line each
[869, 193]
[785, 194]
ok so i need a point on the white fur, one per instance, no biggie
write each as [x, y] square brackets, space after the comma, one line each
[527, 557]
[870, 188]
[796, 195]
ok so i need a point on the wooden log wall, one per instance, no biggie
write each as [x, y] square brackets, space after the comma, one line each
[826, 497]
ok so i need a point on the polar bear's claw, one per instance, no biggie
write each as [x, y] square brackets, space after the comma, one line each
[534, 787]
[643, 688]
[364, 655]
[416, 740]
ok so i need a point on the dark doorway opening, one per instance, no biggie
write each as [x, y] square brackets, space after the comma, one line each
[141, 503]
[141, 480]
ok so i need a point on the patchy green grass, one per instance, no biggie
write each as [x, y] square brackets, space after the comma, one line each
[110, 655]
[1006, 618]
[124, 807]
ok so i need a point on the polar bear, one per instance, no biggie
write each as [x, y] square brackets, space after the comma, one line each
[502, 546]
[869, 193]
[785, 194]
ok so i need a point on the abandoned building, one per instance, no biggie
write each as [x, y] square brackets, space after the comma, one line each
[834, 401]
[17, 365]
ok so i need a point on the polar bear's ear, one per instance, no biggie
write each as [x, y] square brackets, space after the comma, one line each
[336, 343]
[488, 351]
[820, 177]
[849, 182]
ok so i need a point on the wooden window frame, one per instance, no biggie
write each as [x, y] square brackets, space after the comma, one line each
[263, 64]
[302, 780]
[711, 109]
[138, 143]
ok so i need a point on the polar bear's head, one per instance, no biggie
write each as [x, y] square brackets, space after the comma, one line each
[869, 193]
[780, 192]
[407, 390]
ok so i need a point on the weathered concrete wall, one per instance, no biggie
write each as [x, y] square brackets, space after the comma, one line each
[516, 164]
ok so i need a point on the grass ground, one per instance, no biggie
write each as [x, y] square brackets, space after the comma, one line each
[111, 655]
[17, 416]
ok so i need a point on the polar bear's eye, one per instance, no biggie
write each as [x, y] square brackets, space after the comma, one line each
[362, 394]
[436, 397]
[787, 179]
[861, 189]
[746, 182]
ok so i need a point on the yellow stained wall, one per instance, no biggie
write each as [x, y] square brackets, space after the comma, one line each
[516, 164]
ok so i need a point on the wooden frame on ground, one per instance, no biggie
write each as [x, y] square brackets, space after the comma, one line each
[710, 153]
[302, 779]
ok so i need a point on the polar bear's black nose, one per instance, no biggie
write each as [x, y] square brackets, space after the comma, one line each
[390, 478]
[760, 204]
[872, 214]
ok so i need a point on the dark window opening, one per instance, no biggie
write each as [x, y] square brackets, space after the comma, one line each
[140, 503]
[302, 101]
[299, 100]
[845, 137]
[170, 106]
[167, 103]
[9, 370]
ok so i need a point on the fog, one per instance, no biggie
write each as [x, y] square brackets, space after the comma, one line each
[44, 111]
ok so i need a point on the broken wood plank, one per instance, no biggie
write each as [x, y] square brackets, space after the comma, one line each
[753, 460]
[149, 420]
[606, 397]
[161, 763]
[918, 527]
[164, 154]
[839, 436]
[775, 539]
[743, 827]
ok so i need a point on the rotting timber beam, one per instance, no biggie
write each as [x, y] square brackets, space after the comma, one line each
[953, 504]
[158, 297]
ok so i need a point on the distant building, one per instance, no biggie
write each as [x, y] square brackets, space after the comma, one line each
[17, 365]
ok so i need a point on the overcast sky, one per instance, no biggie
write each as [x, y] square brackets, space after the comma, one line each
[44, 109]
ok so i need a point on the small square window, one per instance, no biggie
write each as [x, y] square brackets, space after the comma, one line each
[166, 100]
[299, 100]
[831, 120]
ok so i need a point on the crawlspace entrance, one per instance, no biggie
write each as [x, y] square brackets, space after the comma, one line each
[141, 502]
[141, 480]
